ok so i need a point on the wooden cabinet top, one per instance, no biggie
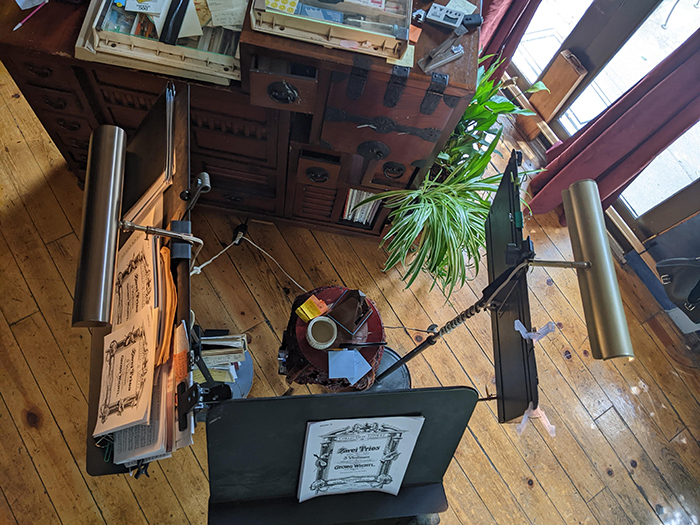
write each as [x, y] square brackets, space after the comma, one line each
[55, 28]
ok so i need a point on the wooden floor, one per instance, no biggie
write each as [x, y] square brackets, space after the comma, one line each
[626, 446]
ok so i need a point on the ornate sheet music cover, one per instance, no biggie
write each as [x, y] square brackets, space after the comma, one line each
[357, 455]
[127, 374]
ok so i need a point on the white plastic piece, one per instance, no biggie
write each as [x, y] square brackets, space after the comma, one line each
[321, 332]
[537, 413]
[535, 336]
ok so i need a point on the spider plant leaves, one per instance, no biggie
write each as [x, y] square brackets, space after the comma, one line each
[439, 228]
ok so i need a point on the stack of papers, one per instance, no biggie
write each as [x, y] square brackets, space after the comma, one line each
[144, 357]
[222, 355]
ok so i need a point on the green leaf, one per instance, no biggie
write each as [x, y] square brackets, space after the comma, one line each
[537, 86]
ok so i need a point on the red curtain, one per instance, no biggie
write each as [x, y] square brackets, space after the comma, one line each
[616, 146]
[505, 23]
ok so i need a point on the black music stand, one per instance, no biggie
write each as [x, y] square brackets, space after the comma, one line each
[508, 257]
[255, 449]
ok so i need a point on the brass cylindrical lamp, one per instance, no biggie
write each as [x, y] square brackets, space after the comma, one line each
[600, 294]
[101, 214]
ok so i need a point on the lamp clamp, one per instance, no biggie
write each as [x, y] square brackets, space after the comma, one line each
[202, 185]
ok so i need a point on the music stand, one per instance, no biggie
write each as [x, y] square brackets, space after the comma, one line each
[255, 449]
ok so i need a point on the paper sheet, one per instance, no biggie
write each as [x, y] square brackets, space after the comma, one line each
[347, 364]
[462, 5]
[143, 441]
[168, 309]
[145, 6]
[357, 455]
[127, 374]
[228, 13]
[190, 23]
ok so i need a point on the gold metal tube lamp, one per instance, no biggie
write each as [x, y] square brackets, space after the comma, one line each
[602, 305]
[101, 213]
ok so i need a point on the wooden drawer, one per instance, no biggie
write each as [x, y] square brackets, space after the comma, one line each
[223, 196]
[129, 80]
[250, 142]
[72, 131]
[318, 169]
[44, 71]
[226, 102]
[388, 174]
[48, 99]
[278, 84]
[315, 202]
[76, 157]
[250, 176]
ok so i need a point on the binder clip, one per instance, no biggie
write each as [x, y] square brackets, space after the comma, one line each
[199, 397]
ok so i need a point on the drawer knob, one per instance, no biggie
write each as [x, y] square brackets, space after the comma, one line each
[393, 170]
[70, 126]
[39, 71]
[317, 174]
[282, 92]
[234, 198]
[81, 144]
[58, 103]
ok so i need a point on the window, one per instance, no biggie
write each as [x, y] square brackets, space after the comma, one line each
[645, 49]
[673, 170]
[552, 23]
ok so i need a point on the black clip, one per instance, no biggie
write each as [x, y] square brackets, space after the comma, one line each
[433, 96]
[358, 77]
[141, 468]
[399, 77]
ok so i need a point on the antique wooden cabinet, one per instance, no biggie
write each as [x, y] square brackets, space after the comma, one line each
[304, 126]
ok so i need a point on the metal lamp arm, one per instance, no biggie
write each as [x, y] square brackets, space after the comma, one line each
[129, 226]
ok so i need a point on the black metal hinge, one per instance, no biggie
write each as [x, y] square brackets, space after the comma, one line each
[433, 96]
[358, 77]
[399, 77]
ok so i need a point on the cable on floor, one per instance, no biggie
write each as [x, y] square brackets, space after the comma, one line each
[198, 269]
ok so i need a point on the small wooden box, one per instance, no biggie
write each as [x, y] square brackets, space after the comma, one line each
[561, 79]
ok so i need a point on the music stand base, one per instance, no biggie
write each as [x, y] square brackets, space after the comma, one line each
[399, 380]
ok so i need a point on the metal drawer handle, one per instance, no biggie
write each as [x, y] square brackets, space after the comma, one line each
[393, 170]
[70, 126]
[282, 92]
[39, 71]
[234, 198]
[59, 103]
[373, 150]
[317, 174]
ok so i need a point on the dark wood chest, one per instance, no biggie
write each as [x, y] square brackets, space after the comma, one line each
[304, 126]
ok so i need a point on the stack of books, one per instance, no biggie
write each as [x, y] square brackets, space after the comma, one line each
[363, 214]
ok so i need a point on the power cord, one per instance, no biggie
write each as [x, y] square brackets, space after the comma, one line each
[238, 236]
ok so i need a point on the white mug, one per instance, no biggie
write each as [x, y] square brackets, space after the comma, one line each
[321, 332]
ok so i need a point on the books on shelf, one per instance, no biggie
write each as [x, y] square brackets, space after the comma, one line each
[364, 213]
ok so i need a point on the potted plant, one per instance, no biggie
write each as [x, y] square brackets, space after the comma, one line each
[439, 227]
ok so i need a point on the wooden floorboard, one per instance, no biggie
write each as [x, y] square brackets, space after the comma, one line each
[625, 449]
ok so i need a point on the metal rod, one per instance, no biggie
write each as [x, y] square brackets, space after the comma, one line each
[129, 226]
[579, 265]
[431, 340]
